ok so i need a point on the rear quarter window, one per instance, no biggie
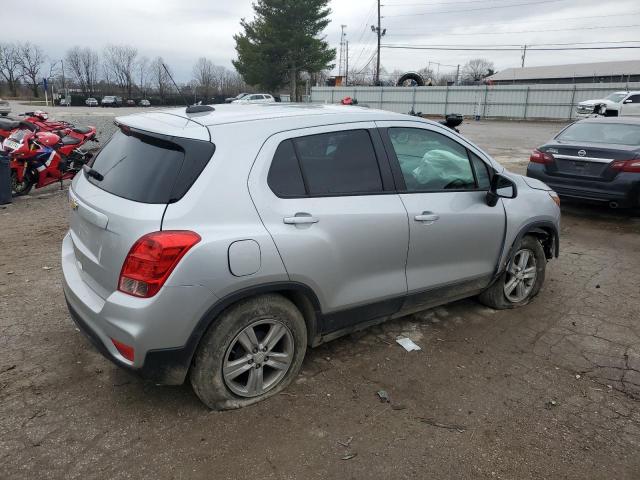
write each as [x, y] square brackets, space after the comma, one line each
[150, 168]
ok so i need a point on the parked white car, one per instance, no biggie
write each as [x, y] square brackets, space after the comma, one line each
[91, 102]
[614, 105]
[256, 98]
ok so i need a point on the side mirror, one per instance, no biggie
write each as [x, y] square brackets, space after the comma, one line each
[501, 187]
[628, 100]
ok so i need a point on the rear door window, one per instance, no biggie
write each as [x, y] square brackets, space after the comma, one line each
[328, 164]
[339, 163]
[150, 168]
[285, 178]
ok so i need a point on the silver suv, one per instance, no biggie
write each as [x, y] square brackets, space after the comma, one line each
[220, 244]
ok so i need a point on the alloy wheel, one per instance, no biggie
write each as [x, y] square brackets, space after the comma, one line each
[258, 358]
[521, 276]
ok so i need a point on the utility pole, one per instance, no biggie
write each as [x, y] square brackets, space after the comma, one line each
[346, 73]
[63, 84]
[457, 75]
[342, 35]
[524, 55]
[380, 34]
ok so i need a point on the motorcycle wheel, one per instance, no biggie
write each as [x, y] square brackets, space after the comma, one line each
[19, 188]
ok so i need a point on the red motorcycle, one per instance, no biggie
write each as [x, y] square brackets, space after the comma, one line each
[36, 121]
[40, 158]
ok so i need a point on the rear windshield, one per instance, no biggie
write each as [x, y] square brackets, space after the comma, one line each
[150, 168]
[593, 132]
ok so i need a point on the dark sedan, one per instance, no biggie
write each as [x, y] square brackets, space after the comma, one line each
[595, 159]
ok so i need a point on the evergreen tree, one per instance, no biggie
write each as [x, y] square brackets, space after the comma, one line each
[282, 41]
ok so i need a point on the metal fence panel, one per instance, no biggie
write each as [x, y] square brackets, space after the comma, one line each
[501, 101]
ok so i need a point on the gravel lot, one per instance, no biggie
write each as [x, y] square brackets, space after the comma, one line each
[550, 390]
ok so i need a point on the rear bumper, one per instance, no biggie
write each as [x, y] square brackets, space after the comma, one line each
[624, 189]
[158, 328]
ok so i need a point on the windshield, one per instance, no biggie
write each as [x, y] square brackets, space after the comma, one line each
[616, 97]
[598, 132]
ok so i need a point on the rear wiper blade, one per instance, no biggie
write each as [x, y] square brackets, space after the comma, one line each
[93, 173]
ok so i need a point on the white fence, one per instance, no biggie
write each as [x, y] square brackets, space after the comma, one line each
[499, 101]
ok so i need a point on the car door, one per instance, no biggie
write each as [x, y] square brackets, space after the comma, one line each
[631, 105]
[455, 237]
[326, 196]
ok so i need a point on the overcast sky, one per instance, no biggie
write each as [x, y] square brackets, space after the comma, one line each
[183, 30]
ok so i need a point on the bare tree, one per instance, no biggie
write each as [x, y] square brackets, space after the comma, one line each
[84, 63]
[143, 75]
[205, 75]
[119, 65]
[231, 83]
[10, 66]
[159, 78]
[31, 58]
[477, 69]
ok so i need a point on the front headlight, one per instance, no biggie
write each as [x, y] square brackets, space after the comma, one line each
[554, 196]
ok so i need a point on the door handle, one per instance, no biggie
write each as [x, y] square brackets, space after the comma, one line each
[427, 218]
[300, 219]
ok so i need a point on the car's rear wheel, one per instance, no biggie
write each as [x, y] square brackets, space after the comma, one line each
[251, 352]
[521, 280]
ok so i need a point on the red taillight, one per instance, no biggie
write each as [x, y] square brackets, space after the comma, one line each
[629, 166]
[125, 350]
[152, 259]
[541, 157]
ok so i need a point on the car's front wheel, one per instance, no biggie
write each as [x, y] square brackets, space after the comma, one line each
[521, 280]
[251, 352]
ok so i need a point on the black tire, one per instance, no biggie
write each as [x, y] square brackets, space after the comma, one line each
[495, 296]
[206, 373]
[19, 189]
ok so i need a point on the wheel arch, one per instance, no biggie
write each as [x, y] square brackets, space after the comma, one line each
[546, 232]
[170, 366]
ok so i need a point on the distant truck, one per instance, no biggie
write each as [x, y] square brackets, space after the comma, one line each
[614, 105]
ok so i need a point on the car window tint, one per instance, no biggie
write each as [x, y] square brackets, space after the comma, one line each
[339, 163]
[149, 169]
[430, 161]
[634, 98]
[285, 179]
[482, 172]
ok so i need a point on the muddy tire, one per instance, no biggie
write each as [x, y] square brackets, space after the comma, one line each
[250, 353]
[20, 188]
[522, 279]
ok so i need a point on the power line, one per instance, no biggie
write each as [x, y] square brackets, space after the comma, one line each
[473, 9]
[543, 21]
[519, 45]
[520, 31]
[427, 4]
[504, 49]
[365, 28]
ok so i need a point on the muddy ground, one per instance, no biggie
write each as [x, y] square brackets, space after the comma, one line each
[550, 390]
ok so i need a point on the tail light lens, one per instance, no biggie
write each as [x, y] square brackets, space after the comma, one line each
[541, 157]
[152, 259]
[630, 166]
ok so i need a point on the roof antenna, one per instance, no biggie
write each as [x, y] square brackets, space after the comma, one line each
[190, 108]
